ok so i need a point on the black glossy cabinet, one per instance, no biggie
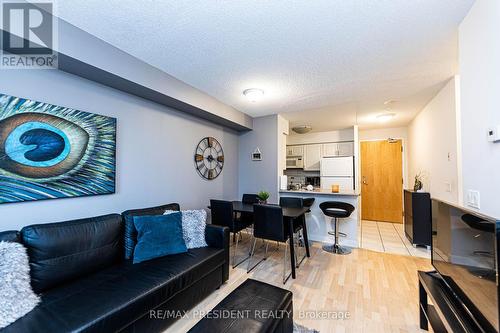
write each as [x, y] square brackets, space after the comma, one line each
[417, 219]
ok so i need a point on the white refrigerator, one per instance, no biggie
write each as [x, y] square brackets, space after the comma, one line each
[337, 171]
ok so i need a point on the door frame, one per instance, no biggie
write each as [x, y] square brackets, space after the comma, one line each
[404, 167]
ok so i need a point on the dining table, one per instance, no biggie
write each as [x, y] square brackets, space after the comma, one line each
[290, 214]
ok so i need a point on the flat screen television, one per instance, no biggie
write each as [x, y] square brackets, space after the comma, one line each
[465, 255]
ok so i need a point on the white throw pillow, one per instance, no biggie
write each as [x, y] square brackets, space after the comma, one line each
[193, 227]
[16, 296]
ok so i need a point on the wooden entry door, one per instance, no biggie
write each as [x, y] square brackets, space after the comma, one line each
[382, 180]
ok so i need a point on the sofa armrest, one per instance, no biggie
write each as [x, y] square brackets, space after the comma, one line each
[218, 237]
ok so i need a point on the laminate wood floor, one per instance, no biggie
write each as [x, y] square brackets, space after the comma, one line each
[379, 291]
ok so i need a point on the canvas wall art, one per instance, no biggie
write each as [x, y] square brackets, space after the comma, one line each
[51, 152]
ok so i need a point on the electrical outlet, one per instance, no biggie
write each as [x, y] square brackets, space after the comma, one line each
[473, 199]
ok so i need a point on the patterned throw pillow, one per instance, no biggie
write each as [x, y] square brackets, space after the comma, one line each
[193, 227]
[17, 297]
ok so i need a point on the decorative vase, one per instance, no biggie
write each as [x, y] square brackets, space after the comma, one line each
[418, 185]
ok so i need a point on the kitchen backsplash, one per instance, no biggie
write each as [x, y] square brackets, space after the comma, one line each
[297, 176]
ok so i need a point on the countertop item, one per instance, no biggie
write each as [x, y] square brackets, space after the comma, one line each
[322, 192]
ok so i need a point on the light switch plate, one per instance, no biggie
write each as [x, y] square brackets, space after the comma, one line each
[447, 187]
[473, 199]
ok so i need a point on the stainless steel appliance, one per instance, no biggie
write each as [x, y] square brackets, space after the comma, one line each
[314, 181]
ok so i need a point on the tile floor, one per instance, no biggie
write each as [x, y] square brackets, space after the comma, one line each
[389, 238]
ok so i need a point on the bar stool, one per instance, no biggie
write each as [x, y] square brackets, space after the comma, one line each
[336, 210]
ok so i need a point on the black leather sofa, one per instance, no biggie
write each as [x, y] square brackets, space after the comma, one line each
[86, 284]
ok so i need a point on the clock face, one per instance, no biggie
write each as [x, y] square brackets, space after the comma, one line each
[209, 158]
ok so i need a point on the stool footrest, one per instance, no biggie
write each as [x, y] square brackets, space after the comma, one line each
[341, 234]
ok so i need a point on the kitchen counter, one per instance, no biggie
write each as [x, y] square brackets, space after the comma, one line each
[318, 224]
[321, 191]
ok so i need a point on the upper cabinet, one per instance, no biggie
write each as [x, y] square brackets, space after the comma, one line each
[294, 151]
[338, 149]
[313, 153]
[346, 148]
[312, 157]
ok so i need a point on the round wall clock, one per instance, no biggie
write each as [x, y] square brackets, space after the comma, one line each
[209, 158]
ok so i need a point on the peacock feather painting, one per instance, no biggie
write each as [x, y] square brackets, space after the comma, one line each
[51, 152]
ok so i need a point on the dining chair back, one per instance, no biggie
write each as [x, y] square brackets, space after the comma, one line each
[269, 226]
[250, 198]
[268, 223]
[291, 202]
[222, 213]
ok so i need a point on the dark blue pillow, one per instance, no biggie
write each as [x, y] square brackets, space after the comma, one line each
[158, 236]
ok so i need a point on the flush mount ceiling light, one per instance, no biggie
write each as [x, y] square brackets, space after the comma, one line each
[253, 94]
[303, 129]
[385, 117]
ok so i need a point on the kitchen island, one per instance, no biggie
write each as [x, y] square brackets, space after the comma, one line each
[318, 225]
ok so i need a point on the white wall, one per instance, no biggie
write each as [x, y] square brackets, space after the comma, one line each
[433, 150]
[255, 176]
[383, 133]
[155, 147]
[479, 51]
[282, 138]
[394, 133]
[320, 137]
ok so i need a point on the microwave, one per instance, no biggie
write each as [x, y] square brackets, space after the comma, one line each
[294, 163]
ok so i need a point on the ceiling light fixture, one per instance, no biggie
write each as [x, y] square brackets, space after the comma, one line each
[385, 117]
[302, 129]
[253, 94]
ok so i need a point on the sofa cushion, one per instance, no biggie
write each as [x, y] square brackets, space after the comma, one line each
[63, 251]
[194, 223]
[131, 232]
[158, 236]
[113, 298]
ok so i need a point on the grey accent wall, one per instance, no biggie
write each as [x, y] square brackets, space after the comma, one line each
[255, 176]
[155, 147]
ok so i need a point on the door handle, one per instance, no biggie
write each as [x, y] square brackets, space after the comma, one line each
[364, 181]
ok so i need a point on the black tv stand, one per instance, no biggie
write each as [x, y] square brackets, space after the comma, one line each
[445, 314]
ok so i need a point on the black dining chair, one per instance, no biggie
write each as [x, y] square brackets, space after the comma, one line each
[269, 226]
[222, 214]
[308, 202]
[248, 199]
[293, 202]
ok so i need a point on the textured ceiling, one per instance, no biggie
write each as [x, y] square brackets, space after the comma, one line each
[342, 59]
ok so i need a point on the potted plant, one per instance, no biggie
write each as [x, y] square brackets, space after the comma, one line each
[263, 196]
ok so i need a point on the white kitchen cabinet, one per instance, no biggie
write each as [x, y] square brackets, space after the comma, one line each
[330, 149]
[338, 149]
[294, 150]
[345, 148]
[312, 157]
